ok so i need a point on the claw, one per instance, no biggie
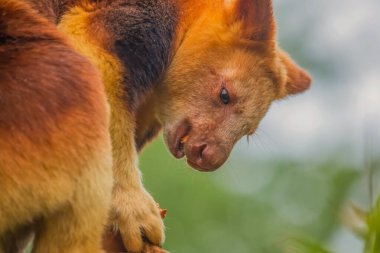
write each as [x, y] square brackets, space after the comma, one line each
[112, 243]
[163, 212]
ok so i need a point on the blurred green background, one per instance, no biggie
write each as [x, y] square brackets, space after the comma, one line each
[276, 202]
[314, 155]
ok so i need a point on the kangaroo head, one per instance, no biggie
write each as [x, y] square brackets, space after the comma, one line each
[223, 77]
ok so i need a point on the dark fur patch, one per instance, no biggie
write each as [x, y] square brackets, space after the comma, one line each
[52, 10]
[142, 33]
[147, 136]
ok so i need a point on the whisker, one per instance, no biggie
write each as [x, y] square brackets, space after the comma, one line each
[266, 148]
[258, 141]
[267, 136]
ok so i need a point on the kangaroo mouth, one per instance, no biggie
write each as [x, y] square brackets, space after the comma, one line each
[203, 152]
[177, 139]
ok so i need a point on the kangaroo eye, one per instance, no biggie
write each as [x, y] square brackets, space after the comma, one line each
[224, 96]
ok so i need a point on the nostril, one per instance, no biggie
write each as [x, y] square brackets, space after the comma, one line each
[201, 149]
[196, 151]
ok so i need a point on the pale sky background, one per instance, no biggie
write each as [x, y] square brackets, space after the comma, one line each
[344, 101]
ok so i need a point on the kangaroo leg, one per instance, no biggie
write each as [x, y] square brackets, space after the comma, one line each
[78, 227]
[55, 151]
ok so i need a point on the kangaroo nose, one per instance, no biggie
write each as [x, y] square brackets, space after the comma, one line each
[205, 157]
[196, 151]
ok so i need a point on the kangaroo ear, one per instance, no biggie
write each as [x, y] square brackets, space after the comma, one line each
[295, 78]
[256, 17]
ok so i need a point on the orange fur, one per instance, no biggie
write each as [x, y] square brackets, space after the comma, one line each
[51, 165]
[55, 139]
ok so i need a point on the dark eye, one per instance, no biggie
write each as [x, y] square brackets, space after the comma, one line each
[224, 96]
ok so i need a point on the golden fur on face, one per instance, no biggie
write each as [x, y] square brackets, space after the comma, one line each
[234, 50]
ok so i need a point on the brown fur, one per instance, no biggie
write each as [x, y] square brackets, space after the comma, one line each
[163, 64]
[50, 164]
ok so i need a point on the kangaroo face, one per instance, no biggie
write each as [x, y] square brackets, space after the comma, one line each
[221, 82]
